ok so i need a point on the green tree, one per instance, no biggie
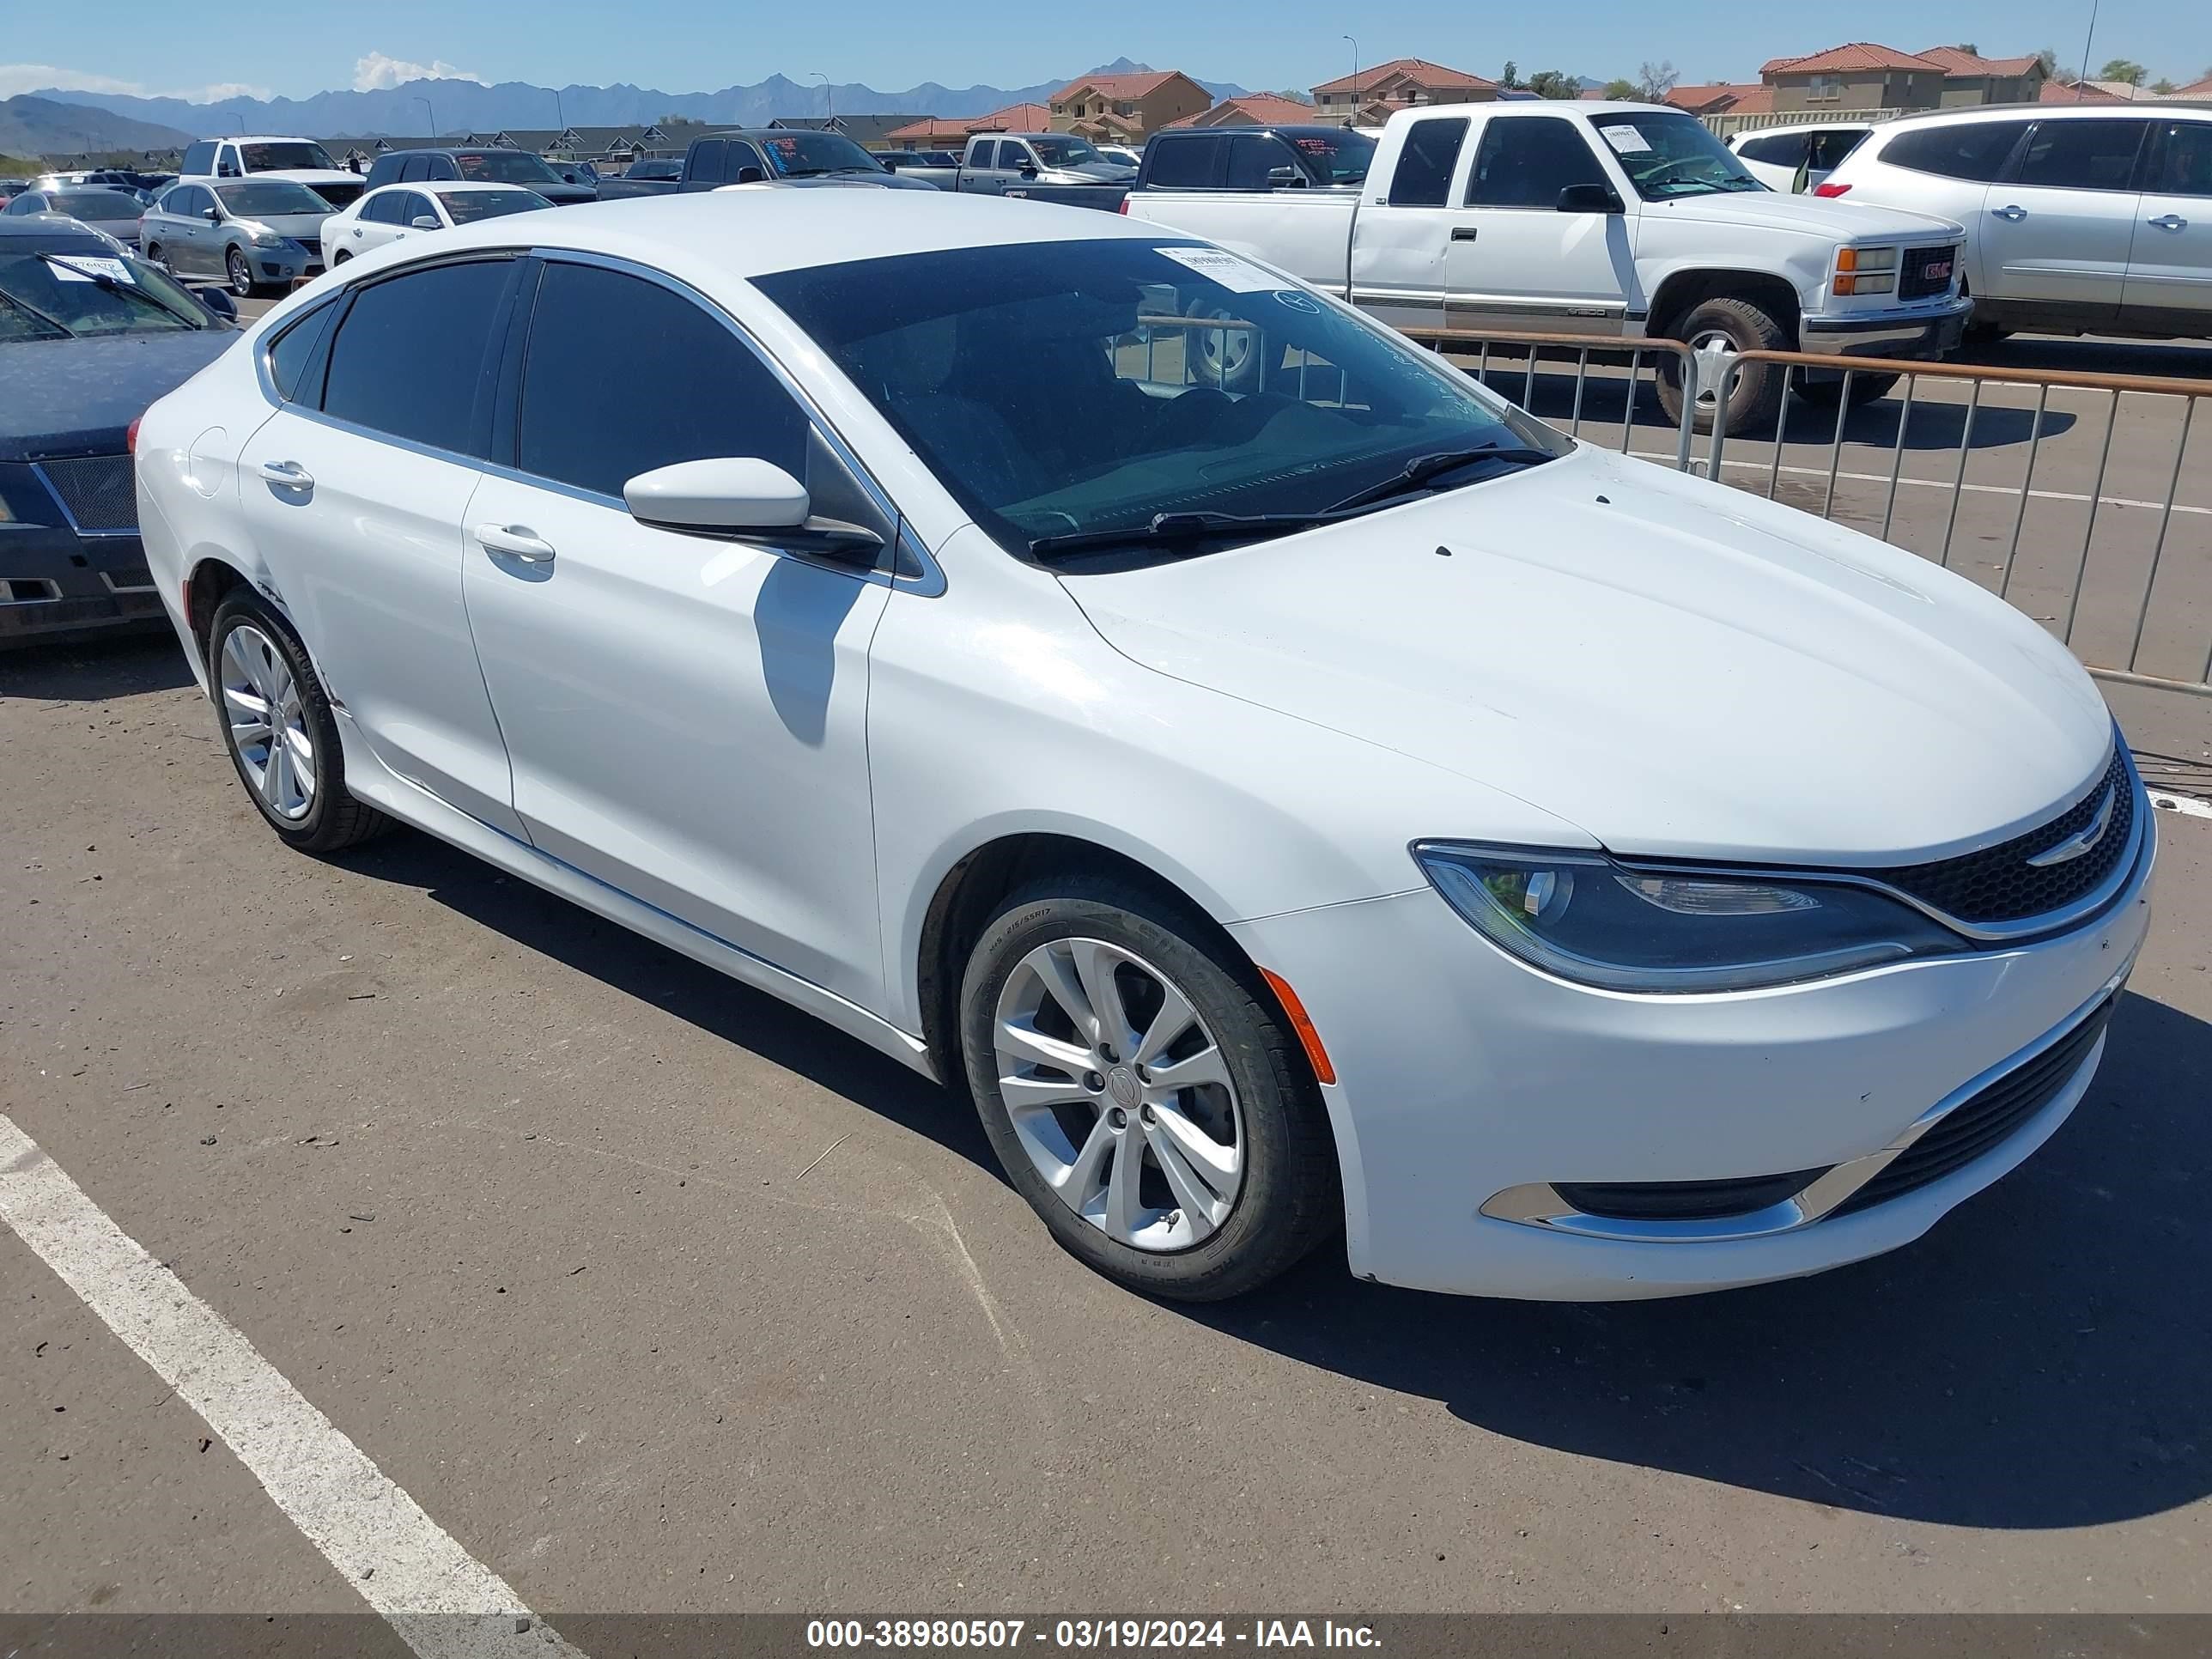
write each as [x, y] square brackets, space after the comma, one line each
[2163, 85]
[1509, 76]
[1554, 83]
[2123, 69]
[1618, 88]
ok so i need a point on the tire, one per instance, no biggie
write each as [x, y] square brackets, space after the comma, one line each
[238, 274]
[1865, 389]
[343, 256]
[153, 253]
[1986, 334]
[1756, 399]
[1230, 1232]
[254, 656]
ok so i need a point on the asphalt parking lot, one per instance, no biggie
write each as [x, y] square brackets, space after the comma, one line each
[656, 1296]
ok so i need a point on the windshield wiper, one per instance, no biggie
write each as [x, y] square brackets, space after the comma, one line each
[62, 330]
[112, 285]
[1416, 473]
[1174, 528]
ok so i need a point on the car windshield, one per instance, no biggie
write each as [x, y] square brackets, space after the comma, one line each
[79, 291]
[801, 155]
[467, 206]
[286, 153]
[263, 199]
[1056, 152]
[505, 166]
[1072, 388]
[1344, 156]
[1670, 155]
[94, 205]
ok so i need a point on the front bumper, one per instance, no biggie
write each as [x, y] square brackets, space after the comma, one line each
[293, 262]
[1467, 1079]
[1915, 333]
[56, 585]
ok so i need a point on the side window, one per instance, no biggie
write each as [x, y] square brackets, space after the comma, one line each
[1251, 157]
[743, 155]
[412, 357]
[599, 406]
[192, 201]
[414, 205]
[294, 348]
[1525, 161]
[1423, 177]
[1784, 151]
[1973, 150]
[199, 158]
[2185, 160]
[2083, 155]
[377, 209]
[707, 161]
[1829, 147]
[226, 162]
[1188, 163]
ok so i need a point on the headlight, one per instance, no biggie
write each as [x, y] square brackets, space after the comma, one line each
[266, 239]
[1866, 270]
[1586, 918]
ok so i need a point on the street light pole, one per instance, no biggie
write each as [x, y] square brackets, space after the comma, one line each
[559, 113]
[426, 110]
[828, 98]
[1354, 119]
[2087, 41]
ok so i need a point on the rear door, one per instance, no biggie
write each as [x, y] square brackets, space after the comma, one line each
[1399, 242]
[702, 167]
[1514, 259]
[2056, 230]
[355, 492]
[2170, 259]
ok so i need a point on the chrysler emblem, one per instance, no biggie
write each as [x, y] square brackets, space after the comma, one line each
[2083, 839]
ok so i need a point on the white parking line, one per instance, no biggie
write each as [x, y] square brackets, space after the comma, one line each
[1699, 458]
[2190, 806]
[442, 1601]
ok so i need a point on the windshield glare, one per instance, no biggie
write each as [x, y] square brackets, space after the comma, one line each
[263, 197]
[505, 166]
[87, 308]
[1056, 152]
[1667, 156]
[798, 154]
[1060, 388]
[291, 153]
[95, 204]
[467, 206]
[1344, 156]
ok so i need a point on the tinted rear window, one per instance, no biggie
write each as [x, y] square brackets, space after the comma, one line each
[2083, 155]
[1423, 175]
[412, 357]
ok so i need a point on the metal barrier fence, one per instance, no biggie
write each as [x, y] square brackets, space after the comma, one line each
[2128, 586]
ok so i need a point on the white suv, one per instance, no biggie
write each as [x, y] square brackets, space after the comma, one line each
[2078, 219]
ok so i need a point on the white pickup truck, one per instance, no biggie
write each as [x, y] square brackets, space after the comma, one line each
[1605, 218]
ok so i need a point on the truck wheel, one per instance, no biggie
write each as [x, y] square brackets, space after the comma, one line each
[1865, 389]
[1728, 327]
[1224, 357]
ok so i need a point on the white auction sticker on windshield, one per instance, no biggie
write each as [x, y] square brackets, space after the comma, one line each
[86, 268]
[1627, 141]
[1237, 275]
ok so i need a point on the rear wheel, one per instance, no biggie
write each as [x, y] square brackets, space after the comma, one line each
[1718, 330]
[1865, 389]
[279, 731]
[155, 257]
[1142, 1092]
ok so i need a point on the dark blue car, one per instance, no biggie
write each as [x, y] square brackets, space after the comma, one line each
[90, 337]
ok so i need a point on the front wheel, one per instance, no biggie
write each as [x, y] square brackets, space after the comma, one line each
[1718, 330]
[154, 258]
[1141, 1089]
[240, 275]
[339, 258]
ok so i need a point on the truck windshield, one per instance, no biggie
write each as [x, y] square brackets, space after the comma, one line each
[1344, 157]
[1667, 155]
[1057, 152]
[505, 167]
[1070, 388]
[803, 154]
[292, 153]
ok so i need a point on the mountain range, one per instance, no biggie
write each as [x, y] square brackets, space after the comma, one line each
[472, 106]
[32, 125]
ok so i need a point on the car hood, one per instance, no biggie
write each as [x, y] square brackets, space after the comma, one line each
[1678, 668]
[304, 226]
[1811, 215]
[76, 397]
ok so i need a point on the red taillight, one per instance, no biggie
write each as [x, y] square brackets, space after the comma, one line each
[130, 435]
[1121, 207]
[1831, 190]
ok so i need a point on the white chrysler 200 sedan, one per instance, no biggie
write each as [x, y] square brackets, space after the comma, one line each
[1344, 803]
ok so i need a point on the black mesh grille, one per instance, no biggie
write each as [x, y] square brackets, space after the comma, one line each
[1998, 884]
[1979, 1123]
[1916, 281]
[98, 492]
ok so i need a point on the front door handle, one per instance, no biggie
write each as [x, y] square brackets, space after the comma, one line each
[2014, 214]
[1462, 232]
[515, 541]
[2170, 222]
[287, 475]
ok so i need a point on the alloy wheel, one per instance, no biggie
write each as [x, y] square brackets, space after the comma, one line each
[241, 274]
[1715, 348]
[1119, 1094]
[268, 727]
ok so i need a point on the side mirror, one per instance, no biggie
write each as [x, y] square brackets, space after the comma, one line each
[1590, 198]
[743, 499]
[1285, 178]
[218, 300]
[425, 221]
[750, 175]
[211, 214]
[1027, 169]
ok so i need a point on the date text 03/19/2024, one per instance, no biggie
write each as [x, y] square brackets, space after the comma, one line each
[1107, 1635]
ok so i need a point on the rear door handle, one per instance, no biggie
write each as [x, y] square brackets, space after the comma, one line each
[287, 475]
[2170, 222]
[515, 541]
[2014, 214]
[1462, 232]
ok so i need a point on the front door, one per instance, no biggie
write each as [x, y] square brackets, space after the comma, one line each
[2170, 260]
[356, 493]
[1515, 260]
[685, 713]
[1398, 254]
[2057, 232]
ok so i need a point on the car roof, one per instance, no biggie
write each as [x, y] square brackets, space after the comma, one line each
[2152, 109]
[754, 232]
[1799, 127]
[443, 186]
[55, 233]
[262, 138]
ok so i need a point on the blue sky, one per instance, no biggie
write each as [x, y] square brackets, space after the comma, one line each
[157, 47]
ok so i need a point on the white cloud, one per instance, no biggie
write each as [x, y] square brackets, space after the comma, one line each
[35, 77]
[376, 72]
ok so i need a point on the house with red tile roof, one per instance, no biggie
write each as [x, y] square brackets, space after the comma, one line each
[941, 132]
[1858, 76]
[1123, 109]
[1969, 78]
[1370, 96]
[1254, 109]
[1722, 98]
